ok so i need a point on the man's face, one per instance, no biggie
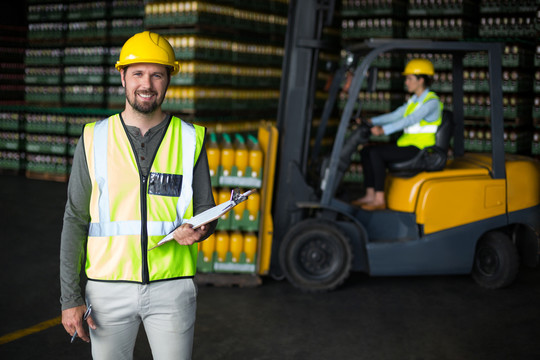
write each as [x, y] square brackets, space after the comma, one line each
[146, 85]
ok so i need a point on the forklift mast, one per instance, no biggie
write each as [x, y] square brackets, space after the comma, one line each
[303, 42]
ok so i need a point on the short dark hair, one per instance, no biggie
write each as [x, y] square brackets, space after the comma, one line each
[428, 80]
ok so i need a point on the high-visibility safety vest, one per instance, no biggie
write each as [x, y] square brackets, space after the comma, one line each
[131, 212]
[421, 134]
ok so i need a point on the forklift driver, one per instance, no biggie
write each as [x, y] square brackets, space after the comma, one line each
[418, 118]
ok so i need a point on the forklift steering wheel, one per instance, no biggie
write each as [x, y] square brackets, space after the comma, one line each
[364, 122]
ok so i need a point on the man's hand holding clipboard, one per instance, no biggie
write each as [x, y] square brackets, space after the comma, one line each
[199, 220]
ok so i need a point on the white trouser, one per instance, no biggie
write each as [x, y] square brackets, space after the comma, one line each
[166, 308]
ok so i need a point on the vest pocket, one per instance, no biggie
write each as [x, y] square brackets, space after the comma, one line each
[165, 184]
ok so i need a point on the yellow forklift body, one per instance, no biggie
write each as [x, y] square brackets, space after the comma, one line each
[403, 192]
[465, 192]
[523, 182]
[447, 203]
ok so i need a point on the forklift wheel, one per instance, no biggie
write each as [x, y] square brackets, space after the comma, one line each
[316, 255]
[496, 262]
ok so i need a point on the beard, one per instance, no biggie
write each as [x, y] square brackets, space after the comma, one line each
[144, 108]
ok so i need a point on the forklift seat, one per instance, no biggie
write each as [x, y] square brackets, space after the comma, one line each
[432, 158]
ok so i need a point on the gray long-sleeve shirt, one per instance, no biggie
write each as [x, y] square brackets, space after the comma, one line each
[77, 212]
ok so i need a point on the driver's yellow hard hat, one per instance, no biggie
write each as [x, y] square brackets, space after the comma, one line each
[147, 47]
[419, 67]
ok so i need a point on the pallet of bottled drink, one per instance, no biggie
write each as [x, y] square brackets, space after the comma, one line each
[213, 14]
[517, 139]
[242, 238]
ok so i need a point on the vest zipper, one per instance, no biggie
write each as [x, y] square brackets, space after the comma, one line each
[144, 231]
[144, 217]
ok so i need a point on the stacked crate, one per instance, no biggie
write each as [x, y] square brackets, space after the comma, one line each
[512, 24]
[72, 47]
[517, 101]
[441, 20]
[43, 58]
[96, 31]
[46, 141]
[230, 55]
[375, 19]
[12, 46]
[372, 19]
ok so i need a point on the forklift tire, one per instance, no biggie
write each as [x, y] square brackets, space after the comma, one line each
[496, 262]
[316, 255]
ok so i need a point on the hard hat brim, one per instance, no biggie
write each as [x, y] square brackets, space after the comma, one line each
[122, 64]
[416, 73]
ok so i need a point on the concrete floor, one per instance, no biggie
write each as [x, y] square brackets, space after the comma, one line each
[368, 318]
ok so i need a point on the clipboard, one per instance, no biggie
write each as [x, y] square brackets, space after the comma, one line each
[211, 214]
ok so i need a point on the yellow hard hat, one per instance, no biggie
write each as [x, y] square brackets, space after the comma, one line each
[419, 67]
[147, 47]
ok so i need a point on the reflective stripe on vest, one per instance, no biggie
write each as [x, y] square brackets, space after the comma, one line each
[106, 227]
[129, 213]
[419, 128]
[421, 134]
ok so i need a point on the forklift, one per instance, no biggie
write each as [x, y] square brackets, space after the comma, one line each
[469, 213]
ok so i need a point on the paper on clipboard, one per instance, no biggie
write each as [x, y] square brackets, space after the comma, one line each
[211, 214]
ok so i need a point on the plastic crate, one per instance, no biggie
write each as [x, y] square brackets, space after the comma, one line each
[127, 9]
[372, 8]
[505, 7]
[10, 120]
[189, 13]
[50, 94]
[85, 94]
[42, 79]
[515, 82]
[45, 12]
[201, 48]
[115, 96]
[517, 141]
[45, 123]
[41, 57]
[366, 28]
[46, 144]
[49, 164]
[440, 28]
[11, 160]
[84, 75]
[86, 30]
[514, 26]
[442, 8]
[85, 55]
[45, 31]
[10, 140]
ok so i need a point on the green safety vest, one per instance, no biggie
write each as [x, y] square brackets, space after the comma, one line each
[421, 134]
[130, 213]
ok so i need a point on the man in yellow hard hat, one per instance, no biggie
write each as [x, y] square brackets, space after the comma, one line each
[136, 177]
[418, 118]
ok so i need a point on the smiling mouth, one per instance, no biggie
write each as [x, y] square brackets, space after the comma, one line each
[145, 96]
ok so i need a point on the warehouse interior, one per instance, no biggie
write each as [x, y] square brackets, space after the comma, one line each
[238, 79]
